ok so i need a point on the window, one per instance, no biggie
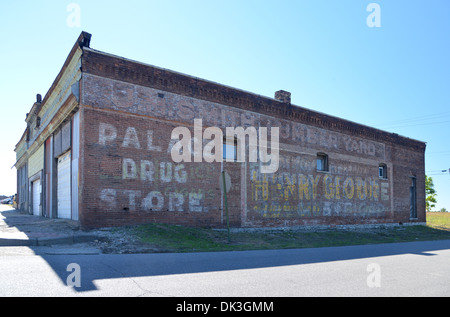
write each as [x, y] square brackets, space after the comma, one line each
[382, 171]
[229, 150]
[322, 162]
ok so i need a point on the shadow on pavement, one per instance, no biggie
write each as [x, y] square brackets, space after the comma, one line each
[18, 229]
[112, 266]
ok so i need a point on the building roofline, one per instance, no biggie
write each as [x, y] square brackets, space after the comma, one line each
[119, 68]
[178, 73]
[83, 40]
[115, 67]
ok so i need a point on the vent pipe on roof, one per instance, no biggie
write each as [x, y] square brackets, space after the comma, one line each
[85, 39]
[283, 96]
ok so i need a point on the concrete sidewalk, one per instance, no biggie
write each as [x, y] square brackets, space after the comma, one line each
[20, 229]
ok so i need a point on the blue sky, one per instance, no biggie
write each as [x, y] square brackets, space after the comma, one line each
[394, 77]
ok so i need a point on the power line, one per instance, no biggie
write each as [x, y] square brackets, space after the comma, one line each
[429, 119]
[438, 172]
[415, 125]
[416, 119]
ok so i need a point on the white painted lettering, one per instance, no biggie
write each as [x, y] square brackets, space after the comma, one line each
[150, 145]
[129, 170]
[195, 202]
[165, 172]
[107, 133]
[154, 201]
[131, 137]
[147, 171]
[176, 201]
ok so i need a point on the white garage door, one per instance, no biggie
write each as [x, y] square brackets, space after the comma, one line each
[36, 197]
[64, 201]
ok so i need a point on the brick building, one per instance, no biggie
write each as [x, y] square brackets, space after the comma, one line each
[97, 149]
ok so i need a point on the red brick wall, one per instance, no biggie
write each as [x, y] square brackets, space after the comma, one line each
[408, 162]
[128, 176]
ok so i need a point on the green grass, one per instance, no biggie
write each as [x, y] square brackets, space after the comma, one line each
[439, 220]
[172, 238]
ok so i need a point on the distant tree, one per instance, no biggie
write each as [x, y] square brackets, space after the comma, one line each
[430, 193]
[443, 210]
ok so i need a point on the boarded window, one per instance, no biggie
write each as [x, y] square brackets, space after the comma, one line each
[62, 139]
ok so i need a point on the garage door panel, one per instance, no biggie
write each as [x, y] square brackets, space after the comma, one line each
[36, 197]
[64, 186]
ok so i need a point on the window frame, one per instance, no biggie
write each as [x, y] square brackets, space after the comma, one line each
[382, 171]
[323, 158]
[224, 147]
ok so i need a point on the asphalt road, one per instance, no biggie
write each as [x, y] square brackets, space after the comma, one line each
[400, 269]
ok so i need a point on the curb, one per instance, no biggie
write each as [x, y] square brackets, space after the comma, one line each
[70, 239]
[17, 242]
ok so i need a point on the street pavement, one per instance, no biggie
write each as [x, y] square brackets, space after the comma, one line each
[37, 260]
[413, 269]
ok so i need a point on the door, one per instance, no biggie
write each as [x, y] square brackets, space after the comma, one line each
[413, 199]
[63, 188]
[36, 188]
